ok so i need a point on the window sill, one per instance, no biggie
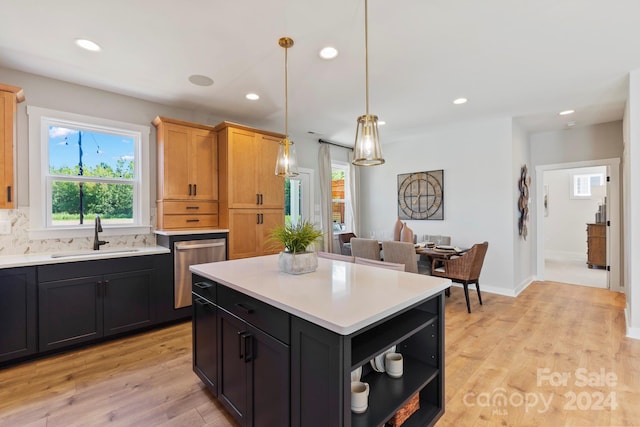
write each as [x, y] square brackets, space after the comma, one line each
[88, 231]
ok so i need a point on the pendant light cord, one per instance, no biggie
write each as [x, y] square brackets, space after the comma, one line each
[286, 93]
[366, 55]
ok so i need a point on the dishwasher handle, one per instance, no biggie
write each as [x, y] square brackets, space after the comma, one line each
[184, 247]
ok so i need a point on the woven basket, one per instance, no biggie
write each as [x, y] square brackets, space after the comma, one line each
[405, 412]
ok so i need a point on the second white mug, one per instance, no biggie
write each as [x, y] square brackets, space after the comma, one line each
[393, 364]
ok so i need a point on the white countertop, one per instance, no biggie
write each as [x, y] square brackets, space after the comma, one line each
[340, 296]
[9, 261]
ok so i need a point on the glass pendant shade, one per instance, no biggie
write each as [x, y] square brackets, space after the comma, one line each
[366, 150]
[287, 163]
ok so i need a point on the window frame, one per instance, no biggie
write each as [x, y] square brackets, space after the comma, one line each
[587, 177]
[39, 120]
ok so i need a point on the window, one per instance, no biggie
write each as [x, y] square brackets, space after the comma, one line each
[340, 202]
[83, 166]
[581, 184]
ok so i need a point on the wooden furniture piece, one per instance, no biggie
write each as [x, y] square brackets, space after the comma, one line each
[365, 248]
[10, 96]
[303, 352]
[187, 175]
[401, 253]
[251, 195]
[597, 245]
[464, 269]
[345, 238]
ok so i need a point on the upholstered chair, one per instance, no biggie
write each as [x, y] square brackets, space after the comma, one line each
[401, 253]
[365, 248]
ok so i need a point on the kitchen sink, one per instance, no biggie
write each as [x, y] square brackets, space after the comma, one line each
[93, 253]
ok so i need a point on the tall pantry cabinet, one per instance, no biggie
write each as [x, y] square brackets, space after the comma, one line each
[9, 97]
[251, 196]
[187, 175]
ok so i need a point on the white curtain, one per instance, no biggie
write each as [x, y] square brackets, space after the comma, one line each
[352, 196]
[325, 197]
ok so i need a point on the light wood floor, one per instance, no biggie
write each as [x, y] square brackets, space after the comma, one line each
[515, 349]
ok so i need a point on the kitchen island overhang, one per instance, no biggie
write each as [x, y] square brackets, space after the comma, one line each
[338, 318]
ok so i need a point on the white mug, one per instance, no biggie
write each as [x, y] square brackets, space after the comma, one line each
[393, 364]
[359, 396]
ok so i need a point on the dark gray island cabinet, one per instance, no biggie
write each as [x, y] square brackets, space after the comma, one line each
[279, 349]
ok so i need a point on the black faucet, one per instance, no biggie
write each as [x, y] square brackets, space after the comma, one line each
[96, 241]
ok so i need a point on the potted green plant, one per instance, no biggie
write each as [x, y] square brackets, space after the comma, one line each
[295, 259]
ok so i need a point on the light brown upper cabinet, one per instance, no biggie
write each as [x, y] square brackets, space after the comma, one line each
[251, 195]
[187, 175]
[10, 96]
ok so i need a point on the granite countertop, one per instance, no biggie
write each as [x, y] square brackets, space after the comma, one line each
[9, 261]
[340, 296]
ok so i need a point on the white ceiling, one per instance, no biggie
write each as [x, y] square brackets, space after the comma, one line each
[527, 59]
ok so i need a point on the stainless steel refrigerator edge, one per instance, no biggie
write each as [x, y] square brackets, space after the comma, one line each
[191, 252]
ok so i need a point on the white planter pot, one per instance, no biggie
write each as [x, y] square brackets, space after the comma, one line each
[299, 263]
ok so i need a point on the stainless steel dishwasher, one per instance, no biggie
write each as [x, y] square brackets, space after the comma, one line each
[188, 253]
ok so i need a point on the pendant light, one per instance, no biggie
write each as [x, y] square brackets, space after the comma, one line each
[366, 150]
[286, 163]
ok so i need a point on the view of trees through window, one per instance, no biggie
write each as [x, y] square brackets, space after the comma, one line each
[90, 173]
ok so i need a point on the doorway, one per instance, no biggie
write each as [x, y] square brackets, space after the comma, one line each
[570, 196]
[299, 197]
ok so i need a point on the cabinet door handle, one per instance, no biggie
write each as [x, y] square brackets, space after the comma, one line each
[202, 285]
[257, 199]
[199, 301]
[260, 198]
[257, 218]
[99, 288]
[189, 189]
[106, 286]
[247, 309]
[241, 344]
[193, 220]
[248, 347]
[195, 189]
[8, 193]
[192, 207]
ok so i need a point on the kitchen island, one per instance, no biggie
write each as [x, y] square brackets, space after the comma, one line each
[279, 349]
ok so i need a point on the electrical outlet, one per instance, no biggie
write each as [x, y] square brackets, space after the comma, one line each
[5, 227]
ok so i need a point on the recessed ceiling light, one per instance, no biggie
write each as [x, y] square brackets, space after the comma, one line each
[566, 112]
[88, 45]
[252, 96]
[200, 80]
[328, 52]
[459, 101]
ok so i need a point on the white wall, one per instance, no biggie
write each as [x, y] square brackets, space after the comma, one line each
[631, 170]
[565, 225]
[478, 191]
[522, 247]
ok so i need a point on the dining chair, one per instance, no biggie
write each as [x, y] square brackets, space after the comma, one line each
[401, 253]
[338, 257]
[345, 238]
[464, 269]
[377, 263]
[365, 248]
[439, 240]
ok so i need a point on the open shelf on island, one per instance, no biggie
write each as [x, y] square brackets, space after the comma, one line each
[387, 395]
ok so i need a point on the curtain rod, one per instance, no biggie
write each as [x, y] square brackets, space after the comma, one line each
[322, 141]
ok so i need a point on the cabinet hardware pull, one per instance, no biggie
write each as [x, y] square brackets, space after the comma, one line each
[195, 189]
[257, 199]
[247, 309]
[202, 285]
[260, 198]
[248, 347]
[193, 220]
[8, 193]
[106, 286]
[200, 301]
[98, 288]
[241, 344]
[193, 207]
[257, 218]
[189, 189]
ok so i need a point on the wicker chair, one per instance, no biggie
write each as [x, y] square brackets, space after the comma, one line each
[464, 269]
[345, 238]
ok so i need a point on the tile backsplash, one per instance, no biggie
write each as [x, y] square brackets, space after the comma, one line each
[18, 242]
